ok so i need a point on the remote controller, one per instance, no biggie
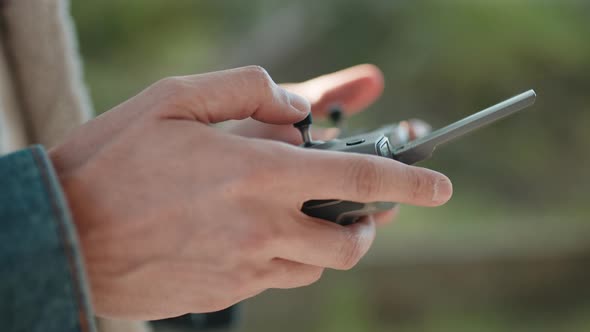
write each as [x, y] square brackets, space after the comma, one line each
[386, 143]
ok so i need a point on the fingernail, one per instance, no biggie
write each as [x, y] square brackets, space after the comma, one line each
[443, 190]
[298, 102]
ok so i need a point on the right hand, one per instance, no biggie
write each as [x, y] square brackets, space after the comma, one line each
[175, 216]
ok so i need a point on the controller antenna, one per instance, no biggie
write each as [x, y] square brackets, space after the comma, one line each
[304, 127]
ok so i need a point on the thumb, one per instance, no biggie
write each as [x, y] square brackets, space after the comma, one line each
[233, 94]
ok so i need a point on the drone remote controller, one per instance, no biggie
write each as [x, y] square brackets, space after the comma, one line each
[385, 143]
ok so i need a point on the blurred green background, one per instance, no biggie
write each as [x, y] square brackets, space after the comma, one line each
[511, 251]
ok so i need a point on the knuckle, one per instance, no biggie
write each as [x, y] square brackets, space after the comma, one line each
[365, 177]
[259, 75]
[419, 185]
[313, 276]
[351, 251]
[262, 80]
[171, 84]
[170, 90]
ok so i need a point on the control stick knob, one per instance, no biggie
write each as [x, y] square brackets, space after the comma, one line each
[304, 127]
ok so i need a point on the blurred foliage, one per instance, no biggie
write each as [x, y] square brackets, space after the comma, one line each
[442, 60]
[502, 296]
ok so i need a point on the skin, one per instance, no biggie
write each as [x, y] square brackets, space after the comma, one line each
[177, 216]
[353, 89]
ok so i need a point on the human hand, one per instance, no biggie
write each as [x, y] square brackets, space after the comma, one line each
[353, 89]
[175, 216]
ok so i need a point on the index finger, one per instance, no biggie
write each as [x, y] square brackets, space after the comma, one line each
[364, 178]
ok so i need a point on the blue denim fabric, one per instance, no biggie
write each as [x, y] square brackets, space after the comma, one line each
[42, 283]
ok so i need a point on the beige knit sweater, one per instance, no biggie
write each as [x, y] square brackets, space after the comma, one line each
[42, 94]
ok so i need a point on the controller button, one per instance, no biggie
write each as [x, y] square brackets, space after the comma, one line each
[384, 150]
[355, 142]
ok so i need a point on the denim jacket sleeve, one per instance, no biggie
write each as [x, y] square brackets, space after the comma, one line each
[42, 282]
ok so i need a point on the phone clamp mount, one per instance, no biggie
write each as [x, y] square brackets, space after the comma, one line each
[385, 142]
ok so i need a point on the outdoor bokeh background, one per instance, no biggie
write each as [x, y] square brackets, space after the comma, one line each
[511, 251]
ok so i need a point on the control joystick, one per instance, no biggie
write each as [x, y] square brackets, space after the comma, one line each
[304, 127]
